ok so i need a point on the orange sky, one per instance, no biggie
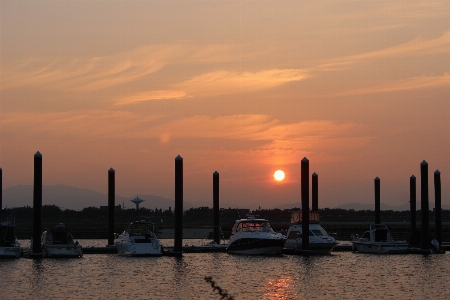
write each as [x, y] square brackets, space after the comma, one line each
[360, 88]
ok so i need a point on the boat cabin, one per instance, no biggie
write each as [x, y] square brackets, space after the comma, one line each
[141, 229]
[58, 235]
[7, 236]
[297, 217]
[296, 234]
[251, 225]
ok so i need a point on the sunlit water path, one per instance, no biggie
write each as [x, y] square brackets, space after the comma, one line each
[342, 275]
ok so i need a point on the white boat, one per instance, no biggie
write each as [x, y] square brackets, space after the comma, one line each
[319, 240]
[378, 240]
[138, 239]
[9, 245]
[58, 242]
[255, 237]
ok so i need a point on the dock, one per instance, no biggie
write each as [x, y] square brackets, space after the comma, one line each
[168, 251]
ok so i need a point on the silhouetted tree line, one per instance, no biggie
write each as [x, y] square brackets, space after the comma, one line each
[204, 215]
[92, 222]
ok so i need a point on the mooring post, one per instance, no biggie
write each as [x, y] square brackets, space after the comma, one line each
[412, 202]
[178, 242]
[37, 203]
[216, 207]
[1, 189]
[111, 205]
[305, 202]
[315, 192]
[377, 201]
[424, 205]
[437, 206]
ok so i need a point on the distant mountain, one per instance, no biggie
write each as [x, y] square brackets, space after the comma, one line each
[359, 206]
[68, 197]
[403, 207]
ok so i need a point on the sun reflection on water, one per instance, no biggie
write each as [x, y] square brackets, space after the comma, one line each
[280, 288]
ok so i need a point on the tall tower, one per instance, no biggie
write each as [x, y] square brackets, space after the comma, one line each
[137, 201]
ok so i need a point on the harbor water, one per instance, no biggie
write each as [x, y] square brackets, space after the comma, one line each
[342, 275]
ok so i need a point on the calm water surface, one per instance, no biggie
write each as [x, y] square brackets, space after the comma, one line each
[342, 275]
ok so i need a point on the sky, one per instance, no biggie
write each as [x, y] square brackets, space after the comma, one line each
[244, 88]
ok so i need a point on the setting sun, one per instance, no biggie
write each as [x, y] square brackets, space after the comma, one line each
[278, 175]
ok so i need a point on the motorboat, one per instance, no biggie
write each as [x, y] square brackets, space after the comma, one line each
[138, 239]
[58, 242]
[254, 237]
[320, 242]
[9, 245]
[378, 240]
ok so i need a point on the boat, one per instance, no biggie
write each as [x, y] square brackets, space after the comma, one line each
[320, 242]
[378, 240]
[9, 245]
[254, 237]
[138, 239]
[58, 242]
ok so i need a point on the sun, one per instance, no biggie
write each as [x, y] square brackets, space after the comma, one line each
[278, 175]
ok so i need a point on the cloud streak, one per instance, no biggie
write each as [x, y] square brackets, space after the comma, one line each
[270, 133]
[423, 82]
[226, 83]
[97, 73]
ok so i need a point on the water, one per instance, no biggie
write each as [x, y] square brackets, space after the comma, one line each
[342, 275]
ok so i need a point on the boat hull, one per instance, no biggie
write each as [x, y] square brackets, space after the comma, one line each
[55, 251]
[10, 252]
[380, 248]
[320, 242]
[126, 248]
[256, 246]
[315, 248]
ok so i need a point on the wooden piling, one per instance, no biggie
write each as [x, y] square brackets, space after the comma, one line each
[178, 241]
[437, 206]
[425, 239]
[315, 192]
[412, 202]
[111, 205]
[216, 207]
[1, 189]
[37, 203]
[377, 201]
[305, 203]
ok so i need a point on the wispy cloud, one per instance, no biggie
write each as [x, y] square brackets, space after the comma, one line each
[423, 82]
[96, 73]
[269, 133]
[418, 46]
[149, 96]
[226, 82]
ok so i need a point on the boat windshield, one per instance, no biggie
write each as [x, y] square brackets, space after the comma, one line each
[139, 229]
[318, 232]
[254, 226]
[293, 235]
[62, 237]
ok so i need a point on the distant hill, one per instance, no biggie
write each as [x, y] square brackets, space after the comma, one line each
[359, 206]
[403, 207]
[68, 197]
